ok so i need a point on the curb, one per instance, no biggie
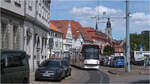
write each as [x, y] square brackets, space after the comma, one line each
[111, 72]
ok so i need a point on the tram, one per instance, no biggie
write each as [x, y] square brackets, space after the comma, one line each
[87, 57]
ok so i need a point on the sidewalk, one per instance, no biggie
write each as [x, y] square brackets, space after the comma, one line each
[134, 70]
[138, 74]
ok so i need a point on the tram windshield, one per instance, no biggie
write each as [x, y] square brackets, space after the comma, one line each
[91, 53]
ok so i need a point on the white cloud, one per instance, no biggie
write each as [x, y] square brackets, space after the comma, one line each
[109, 11]
[87, 11]
[141, 19]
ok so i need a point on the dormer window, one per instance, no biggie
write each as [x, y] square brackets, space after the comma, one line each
[30, 5]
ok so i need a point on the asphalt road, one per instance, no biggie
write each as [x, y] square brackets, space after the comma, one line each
[97, 76]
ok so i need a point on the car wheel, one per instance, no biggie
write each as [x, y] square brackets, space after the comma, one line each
[59, 79]
[70, 73]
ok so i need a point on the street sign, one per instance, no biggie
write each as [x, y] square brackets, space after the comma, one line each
[141, 47]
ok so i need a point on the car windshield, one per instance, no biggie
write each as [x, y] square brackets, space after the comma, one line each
[91, 53]
[50, 64]
[66, 63]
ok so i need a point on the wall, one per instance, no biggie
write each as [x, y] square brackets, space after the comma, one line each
[12, 7]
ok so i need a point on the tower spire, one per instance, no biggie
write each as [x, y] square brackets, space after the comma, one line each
[108, 25]
[96, 26]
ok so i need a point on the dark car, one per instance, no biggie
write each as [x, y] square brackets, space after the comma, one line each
[106, 60]
[117, 61]
[14, 66]
[50, 70]
[67, 67]
[102, 60]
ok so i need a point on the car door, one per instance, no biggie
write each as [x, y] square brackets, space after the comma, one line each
[6, 72]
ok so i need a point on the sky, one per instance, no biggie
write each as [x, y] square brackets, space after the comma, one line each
[83, 10]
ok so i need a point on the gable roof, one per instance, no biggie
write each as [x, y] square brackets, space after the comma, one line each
[54, 28]
[76, 28]
[61, 25]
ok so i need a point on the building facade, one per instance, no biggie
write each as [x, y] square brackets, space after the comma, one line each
[12, 20]
[57, 36]
[67, 41]
[36, 31]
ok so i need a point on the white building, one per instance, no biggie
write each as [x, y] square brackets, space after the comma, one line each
[73, 35]
[36, 31]
[65, 27]
[77, 42]
[57, 36]
[11, 24]
[67, 41]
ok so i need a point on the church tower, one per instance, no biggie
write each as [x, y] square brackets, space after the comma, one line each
[108, 30]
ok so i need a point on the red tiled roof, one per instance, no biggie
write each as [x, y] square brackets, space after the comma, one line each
[62, 25]
[54, 28]
[76, 28]
[94, 34]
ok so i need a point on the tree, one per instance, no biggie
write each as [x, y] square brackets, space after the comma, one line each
[137, 39]
[108, 51]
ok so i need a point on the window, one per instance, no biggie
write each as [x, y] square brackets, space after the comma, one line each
[14, 59]
[55, 34]
[7, 0]
[28, 37]
[18, 3]
[56, 43]
[30, 5]
[4, 33]
[42, 57]
[16, 38]
[34, 57]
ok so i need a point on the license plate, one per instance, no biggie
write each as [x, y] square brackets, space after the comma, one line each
[48, 74]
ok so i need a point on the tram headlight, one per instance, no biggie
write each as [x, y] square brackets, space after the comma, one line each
[97, 62]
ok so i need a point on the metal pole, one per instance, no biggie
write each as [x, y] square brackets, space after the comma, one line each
[127, 68]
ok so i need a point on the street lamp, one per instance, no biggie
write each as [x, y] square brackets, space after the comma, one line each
[127, 67]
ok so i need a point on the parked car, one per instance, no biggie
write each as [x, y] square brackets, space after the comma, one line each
[117, 61]
[67, 67]
[50, 70]
[106, 61]
[14, 66]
